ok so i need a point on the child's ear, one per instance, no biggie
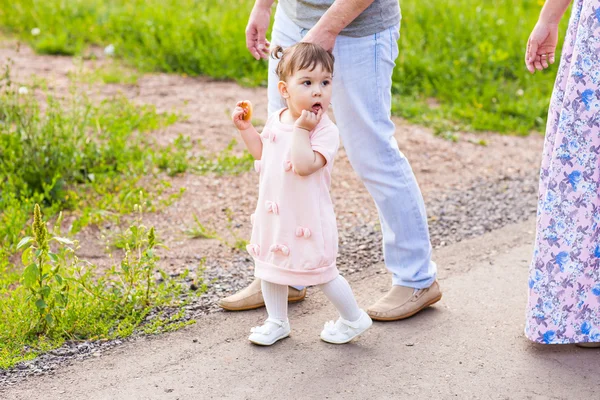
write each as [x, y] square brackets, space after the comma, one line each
[283, 91]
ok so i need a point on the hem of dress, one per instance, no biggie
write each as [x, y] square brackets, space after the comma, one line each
[554, 342]
[293, 277]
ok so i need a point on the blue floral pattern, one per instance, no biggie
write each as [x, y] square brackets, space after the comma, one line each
[564, 276]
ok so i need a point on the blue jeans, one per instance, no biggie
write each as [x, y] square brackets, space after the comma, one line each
[361, 104]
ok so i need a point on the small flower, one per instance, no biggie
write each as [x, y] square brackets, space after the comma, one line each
[586, 327]
[109, 50]
[35, 31]
[574, 179]
[548, 337]
[23, 90]
[586, 97]
[40, 232]
[561, 258]
[520, 92]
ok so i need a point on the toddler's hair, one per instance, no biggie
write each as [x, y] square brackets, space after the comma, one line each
[301, 56]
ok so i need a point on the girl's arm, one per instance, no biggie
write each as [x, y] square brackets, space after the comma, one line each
[304, 159]
[249, 134]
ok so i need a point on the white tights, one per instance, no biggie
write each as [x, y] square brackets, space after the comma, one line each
[338, 291]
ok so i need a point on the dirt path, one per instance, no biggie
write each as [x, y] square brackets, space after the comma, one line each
[468, 346]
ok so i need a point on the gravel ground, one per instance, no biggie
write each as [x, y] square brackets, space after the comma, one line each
[453, 216]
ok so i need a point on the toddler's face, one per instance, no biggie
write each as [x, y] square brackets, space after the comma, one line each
[309, 90]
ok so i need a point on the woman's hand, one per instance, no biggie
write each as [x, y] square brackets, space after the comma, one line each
[541, 46]
[239, 117]
[256, 31]
[308, 120]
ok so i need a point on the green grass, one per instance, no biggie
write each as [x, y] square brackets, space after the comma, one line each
[59, 297]
[199, 231]
[468, 56]
[74, 155]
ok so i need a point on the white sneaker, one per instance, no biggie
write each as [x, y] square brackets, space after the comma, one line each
[270, 332]
[343, 331]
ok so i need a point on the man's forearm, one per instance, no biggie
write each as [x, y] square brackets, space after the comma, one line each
[340, 14]
[553, 11]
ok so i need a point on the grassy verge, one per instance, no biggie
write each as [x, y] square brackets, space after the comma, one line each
[95, 162]
[467, 56]
[58, 297]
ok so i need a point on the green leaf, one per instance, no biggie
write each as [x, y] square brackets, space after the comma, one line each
[63, 240]
[49, 319]
[45, 290]
[24, 241]
[40, 304]
[26, 256]
[59, 279]
[53, 257]
[60, 299]
[30, 275]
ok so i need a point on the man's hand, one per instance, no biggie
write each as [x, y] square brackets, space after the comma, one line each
[322, 37]
[256, 30]
[308, 120]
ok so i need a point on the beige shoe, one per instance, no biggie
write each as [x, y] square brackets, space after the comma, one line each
[403, 302]
[251, 297]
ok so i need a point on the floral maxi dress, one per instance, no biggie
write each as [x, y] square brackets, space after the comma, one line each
[564, 276]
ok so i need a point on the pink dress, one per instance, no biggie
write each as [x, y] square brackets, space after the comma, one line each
[294, 233]
[564, 277]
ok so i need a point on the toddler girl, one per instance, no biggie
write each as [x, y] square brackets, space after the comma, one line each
[294, 234]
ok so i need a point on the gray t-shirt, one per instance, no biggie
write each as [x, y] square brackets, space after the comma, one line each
[380, 15]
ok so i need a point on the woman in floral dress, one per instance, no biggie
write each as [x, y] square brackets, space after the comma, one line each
[564, 276]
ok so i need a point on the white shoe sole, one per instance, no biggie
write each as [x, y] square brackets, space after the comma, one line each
[275, 340]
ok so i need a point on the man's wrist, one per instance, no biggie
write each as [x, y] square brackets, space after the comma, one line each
[328, 29]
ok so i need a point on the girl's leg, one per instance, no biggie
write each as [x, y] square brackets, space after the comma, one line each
[339, 292]
[276, 300]
[277, 326]
[352, 322]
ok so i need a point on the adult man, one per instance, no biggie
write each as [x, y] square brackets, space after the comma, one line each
[363, 35]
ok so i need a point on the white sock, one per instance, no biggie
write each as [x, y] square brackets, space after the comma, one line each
[338, 291]
[276, 297]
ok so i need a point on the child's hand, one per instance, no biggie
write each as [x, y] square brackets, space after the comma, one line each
[308, 120]
[241, 115]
